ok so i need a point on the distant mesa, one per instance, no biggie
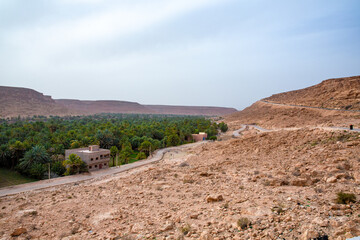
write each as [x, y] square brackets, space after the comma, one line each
[24, 102]
[15, 101]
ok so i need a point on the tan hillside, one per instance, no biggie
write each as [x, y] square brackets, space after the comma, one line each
[338, 93]
[27, 102]
[279, 116]
[306, 107]
[103, 106]
[191, 110]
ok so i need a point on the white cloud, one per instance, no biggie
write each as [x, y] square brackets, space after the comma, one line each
[122, 20]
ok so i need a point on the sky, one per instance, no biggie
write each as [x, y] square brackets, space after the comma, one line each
[227, 53]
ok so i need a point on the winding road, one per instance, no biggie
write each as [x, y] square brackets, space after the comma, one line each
[74, 179]
[158, 155]
[302, 106]
[244, 127]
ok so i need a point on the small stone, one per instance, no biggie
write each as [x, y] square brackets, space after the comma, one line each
[214, 199]
[167, 227]
[332, 179]
[308, 234]
[348, 235]
[301, 182]
[205, 235]
[18, 232]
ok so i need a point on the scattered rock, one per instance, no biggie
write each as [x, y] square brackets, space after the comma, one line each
[18, 232]
[167, 227]
[210, 199]
[301, 182]
[332, 179]
[183, 164]
[205, 235]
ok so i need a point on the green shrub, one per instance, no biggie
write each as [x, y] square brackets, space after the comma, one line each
[243, 223]
[185, 229]
[345, 198]
[140, 155]
[213, 138]
[38, 170]
[58, 168]
[223, 127]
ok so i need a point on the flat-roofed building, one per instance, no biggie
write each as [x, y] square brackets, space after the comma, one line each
[94, 156]
[199, 137]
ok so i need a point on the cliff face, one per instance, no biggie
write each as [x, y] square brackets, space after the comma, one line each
[339, 93]
[27, 102]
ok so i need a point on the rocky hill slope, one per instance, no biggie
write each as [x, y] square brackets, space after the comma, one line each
[306, 107]
[27, 102]
[338, 93]
[276, 185]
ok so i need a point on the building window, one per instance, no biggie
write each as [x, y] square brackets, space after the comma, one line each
[104, 164]
[101, 156]
[95, 166]
[97, 158]
[92, 159]
[90, 167]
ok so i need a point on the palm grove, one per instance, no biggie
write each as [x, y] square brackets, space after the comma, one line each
[30, 146]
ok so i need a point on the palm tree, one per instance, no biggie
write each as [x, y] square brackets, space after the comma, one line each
[125, 154]
[36, 155]
[113, 152]
[5, 154]
[72, 163]
[17, 148]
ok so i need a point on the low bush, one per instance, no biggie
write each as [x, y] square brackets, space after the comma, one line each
[345, 198]
[243, 223]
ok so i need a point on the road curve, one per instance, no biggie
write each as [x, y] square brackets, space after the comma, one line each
[244, 127]
[302, 106]
[157, 156]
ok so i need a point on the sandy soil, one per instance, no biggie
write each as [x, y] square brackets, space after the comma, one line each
[284, 183]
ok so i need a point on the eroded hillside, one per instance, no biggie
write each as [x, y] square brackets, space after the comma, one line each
[280, 116]
[23, 102]
[338, 93]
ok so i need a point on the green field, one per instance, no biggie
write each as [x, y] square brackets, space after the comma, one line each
[9, 178]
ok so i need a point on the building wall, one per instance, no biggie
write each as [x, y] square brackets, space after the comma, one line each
[199, 137]
[94, 159]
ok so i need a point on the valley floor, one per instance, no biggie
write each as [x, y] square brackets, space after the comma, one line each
[284, 183]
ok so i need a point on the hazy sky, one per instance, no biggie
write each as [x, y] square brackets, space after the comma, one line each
[180, 52]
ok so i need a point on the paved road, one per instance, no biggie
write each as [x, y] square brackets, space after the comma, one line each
[157, 156]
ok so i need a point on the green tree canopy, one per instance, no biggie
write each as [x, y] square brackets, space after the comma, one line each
[36, 155]
[113, 152]
[125, 154]
[72, 164]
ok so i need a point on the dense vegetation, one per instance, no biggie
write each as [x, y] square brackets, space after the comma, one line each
[30, 145]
